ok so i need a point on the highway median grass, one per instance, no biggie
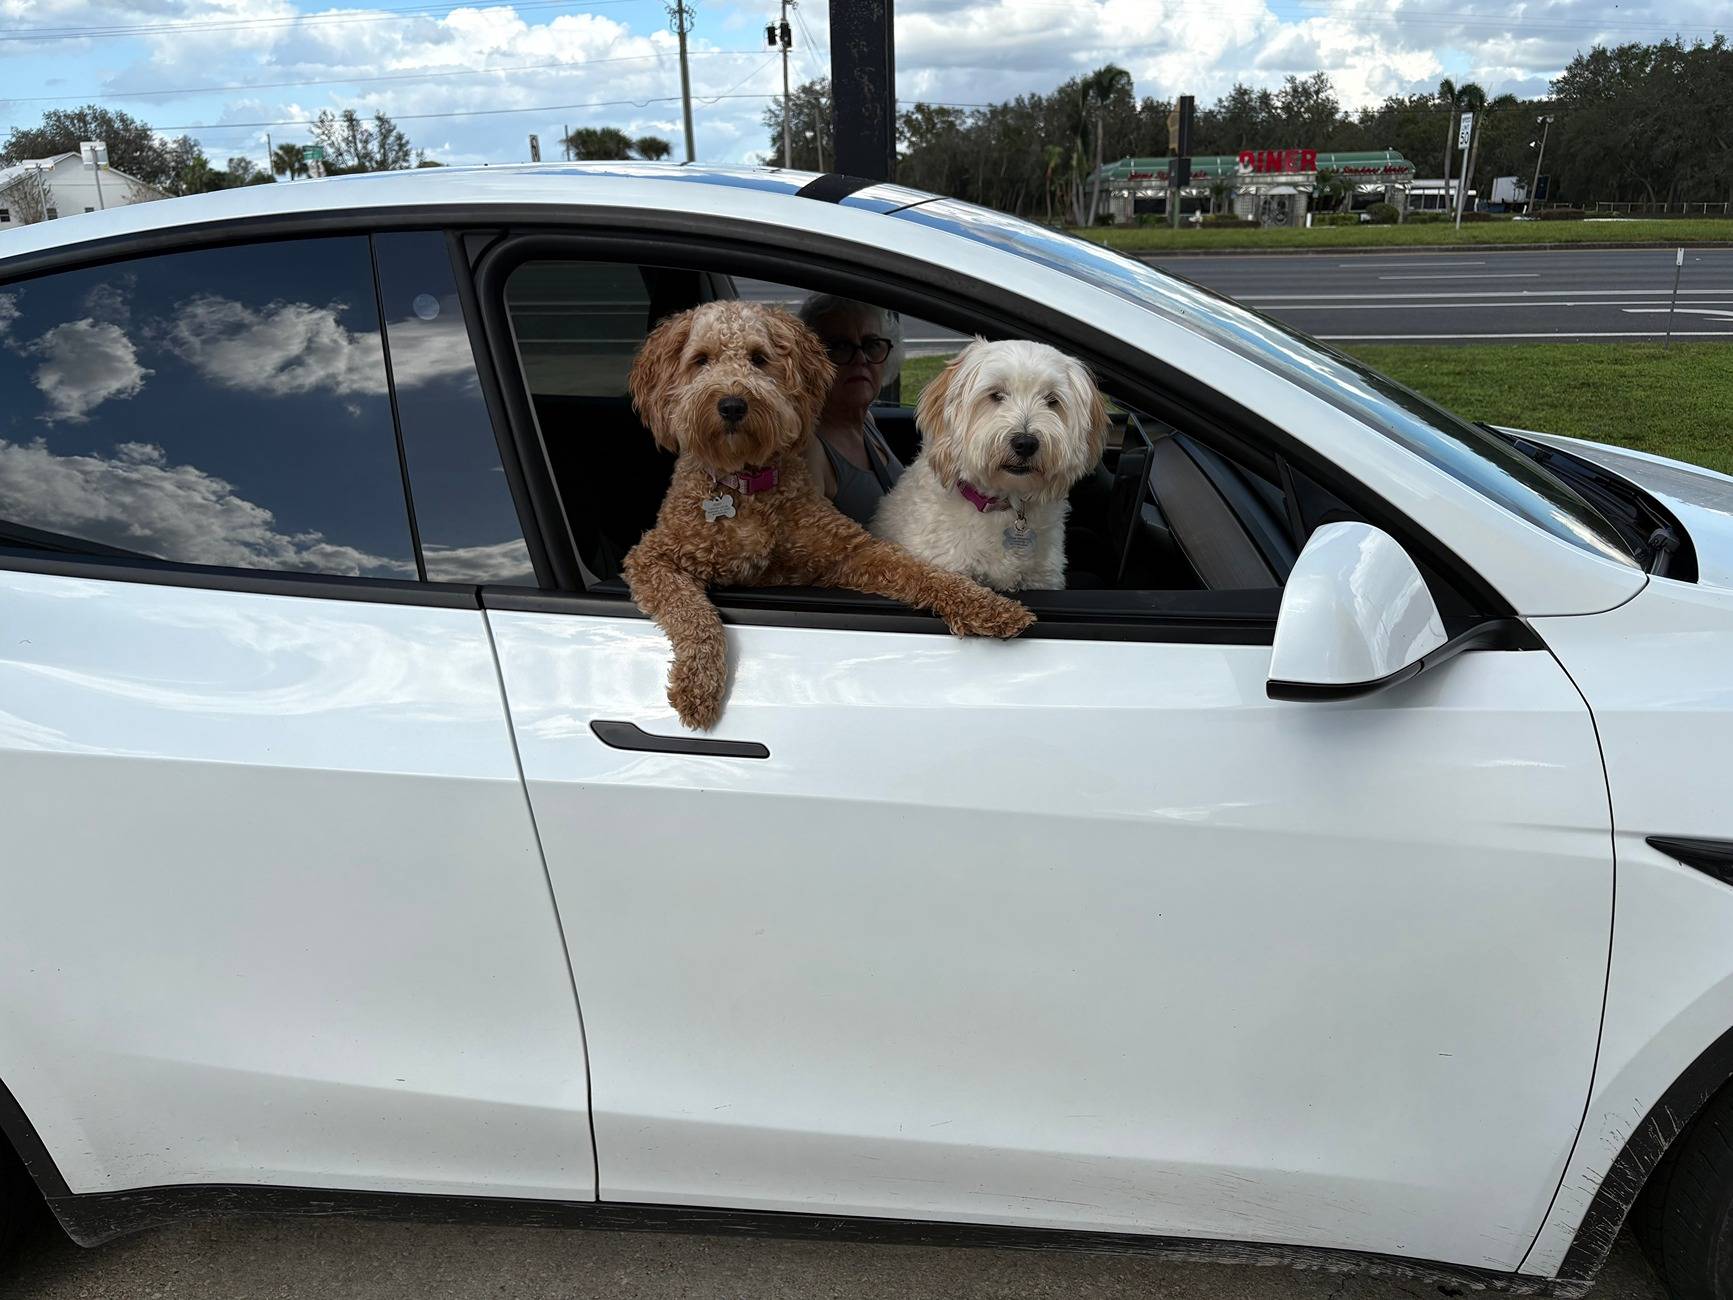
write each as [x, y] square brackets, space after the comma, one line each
[1674, 401]
[1683, 231]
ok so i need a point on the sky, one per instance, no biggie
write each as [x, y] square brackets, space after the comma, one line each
[469, 83]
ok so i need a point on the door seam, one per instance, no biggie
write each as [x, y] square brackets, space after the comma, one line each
[553, 902]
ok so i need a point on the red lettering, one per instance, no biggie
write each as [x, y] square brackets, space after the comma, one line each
[1291, 160]
[1246, 159]
[1270, 160]
[1308, 160]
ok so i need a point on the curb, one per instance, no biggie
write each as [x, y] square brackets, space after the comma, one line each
[1581, 246]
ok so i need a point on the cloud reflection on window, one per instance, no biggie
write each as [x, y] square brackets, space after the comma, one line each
[84, 364]
[135, 499]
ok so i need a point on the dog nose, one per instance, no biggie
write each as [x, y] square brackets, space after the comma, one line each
[1025, 445]
[732, 408]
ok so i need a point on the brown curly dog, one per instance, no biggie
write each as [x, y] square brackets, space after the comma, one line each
[735, 388]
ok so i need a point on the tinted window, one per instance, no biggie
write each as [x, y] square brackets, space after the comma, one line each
[1475, 457]
[226, 407]
[464, 513]
[578, 325]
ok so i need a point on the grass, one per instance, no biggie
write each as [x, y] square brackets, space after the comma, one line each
[1160, 239]
[1673, 402]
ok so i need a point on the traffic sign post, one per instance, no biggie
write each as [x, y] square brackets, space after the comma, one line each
[95, 156]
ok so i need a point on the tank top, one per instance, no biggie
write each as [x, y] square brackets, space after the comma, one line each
[859, 491]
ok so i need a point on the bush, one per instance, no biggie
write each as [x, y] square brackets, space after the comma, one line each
[1476, 216]
[1216, 220]
[1382, 214]
[1559, 214]
[1335, 218]
[1426, 218]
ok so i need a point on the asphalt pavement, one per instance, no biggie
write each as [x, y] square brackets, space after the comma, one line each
[1483, 296]
[345, 1259]
[1479, 296]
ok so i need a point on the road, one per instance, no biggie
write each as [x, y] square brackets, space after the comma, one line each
[338, 1259]
[1484, 296]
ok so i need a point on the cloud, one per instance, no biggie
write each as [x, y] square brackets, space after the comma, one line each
[8, 313]
[85, 363]
[500, 562]
[136, 500]
[284, 348]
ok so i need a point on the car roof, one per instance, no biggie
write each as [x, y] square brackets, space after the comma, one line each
[522, 184]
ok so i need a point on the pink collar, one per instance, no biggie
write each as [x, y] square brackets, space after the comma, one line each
[749, 482]
[979, 499]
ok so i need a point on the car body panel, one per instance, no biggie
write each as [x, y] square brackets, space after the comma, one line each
[1308, 974]
[1701, 498]
[1658, 674]
[274, 911]
[1535, 572]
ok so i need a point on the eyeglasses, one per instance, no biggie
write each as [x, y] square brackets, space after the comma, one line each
[873, 348]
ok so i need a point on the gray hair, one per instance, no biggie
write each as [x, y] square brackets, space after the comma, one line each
[821, 306]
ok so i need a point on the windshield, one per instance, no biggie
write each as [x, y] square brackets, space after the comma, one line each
[1486, 463]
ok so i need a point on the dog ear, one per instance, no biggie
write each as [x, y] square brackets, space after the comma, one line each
[932, 419]
[653, 373]
[813, 371]
[1095, 412]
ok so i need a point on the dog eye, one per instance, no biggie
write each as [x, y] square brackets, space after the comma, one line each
[1053, 399]
[760, 360]
[996, 395]
[700, 360]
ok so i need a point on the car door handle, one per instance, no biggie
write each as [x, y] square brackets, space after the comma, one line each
[629, 735]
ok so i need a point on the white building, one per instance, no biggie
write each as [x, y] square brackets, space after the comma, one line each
[41, 189]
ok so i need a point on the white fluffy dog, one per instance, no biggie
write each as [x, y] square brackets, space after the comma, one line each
[1008, 427]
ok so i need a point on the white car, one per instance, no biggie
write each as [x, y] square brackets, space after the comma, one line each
[1338, 870]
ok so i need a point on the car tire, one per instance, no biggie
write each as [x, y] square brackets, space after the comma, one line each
[1684, 1218]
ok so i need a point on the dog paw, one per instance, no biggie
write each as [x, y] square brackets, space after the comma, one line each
[986, 613]
[695, 692]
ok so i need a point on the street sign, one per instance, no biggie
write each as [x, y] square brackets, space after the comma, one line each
[1465, 131]
[94, 153]
[312, 153]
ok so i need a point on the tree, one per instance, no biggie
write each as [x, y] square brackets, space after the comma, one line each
[652, 148]
[133, 147]
[809, 126]
[1332, 186]
[1447, 102]
[609, 144]
[242, 171]
[286, 161]
[352, 145]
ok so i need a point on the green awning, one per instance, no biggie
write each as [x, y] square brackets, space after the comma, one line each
[1367, 167]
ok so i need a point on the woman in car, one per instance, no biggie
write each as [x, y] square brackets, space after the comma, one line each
[850, 457]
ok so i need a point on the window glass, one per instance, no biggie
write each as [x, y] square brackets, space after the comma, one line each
[1478, 459]
[464, 514]
[224, 407]
[578, 325]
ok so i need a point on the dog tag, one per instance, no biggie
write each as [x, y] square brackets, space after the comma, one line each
[1019, 537]
[720, 506]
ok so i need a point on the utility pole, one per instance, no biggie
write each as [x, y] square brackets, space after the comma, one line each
[270, 159]
[776, 34]
[682, 15]
[1545, 121]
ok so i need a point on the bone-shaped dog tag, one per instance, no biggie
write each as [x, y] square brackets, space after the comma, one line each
[720, 506]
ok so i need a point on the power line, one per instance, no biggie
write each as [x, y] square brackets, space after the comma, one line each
[479, 112]
[357, 81]
[255, 24]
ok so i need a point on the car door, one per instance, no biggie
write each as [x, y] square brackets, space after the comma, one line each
[1079, 931]
[274, 910]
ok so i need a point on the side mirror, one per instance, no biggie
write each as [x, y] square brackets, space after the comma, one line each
[1356, 617]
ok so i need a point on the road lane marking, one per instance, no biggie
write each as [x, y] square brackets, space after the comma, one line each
[1477, 293]
[1683, 311]
[1557, 334]
[1447, 306]
[1414, 265]
[1470, 275]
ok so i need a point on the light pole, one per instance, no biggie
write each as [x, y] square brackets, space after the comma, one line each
[1545, 121]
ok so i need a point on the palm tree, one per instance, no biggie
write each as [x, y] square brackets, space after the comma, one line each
[1094, 93]
[651, 148]
[1470, 98]
[1447, 97]
[1052, 155]
[286, 161]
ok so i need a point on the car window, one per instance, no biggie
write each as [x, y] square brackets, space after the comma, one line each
[1478, 459]
[1122, 533]
[577, 325]
[465, 518]
[224, 406]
